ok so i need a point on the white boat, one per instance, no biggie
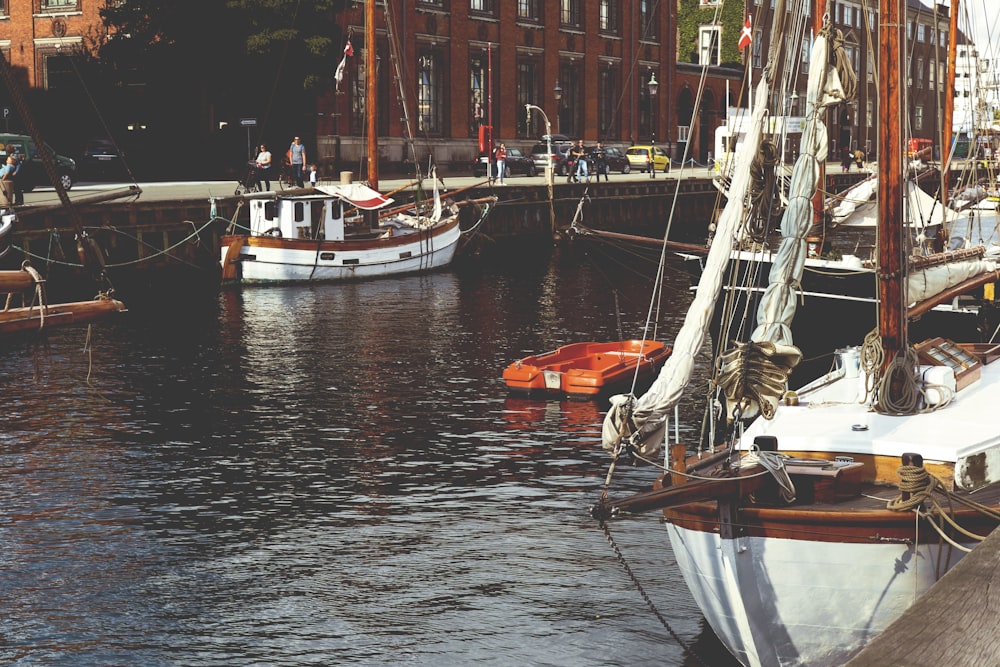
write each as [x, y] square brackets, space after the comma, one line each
[828, 511]
[308, 237]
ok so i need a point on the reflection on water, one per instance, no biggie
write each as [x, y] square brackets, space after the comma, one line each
[326, 475]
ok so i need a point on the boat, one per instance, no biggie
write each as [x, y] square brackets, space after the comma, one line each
[818, 516]
[36, 314]
[345, 232]
[309, 236]
[585, 370]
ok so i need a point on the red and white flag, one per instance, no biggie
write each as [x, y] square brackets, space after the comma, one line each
[746, 36]
[338, 76]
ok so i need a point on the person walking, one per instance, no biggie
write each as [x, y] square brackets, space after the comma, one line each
[579, 154]
[600, 156]
[297, 153]
[500, 157]
[264, 168]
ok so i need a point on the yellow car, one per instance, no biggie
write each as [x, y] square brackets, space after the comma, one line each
[638, 158]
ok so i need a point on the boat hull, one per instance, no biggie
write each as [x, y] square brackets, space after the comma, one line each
[265, 259]
[585, 369]
[781, 601]
[35, 318]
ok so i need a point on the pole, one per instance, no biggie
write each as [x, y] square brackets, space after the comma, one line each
[949, 103]
[371, 91]
[489, 108]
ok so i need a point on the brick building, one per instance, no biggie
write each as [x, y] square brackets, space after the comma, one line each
[37, 37]
[475, 63]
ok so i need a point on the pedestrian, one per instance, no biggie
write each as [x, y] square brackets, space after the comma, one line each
[500, 157]
[579, 154]
[7, 181]
[600, 156]
[297, 153]
[845, 159]
[263, 163]
[859, 158]
[312, 176]
[18, 162]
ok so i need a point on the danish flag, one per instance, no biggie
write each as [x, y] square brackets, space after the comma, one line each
[746, 37]
[338, 76]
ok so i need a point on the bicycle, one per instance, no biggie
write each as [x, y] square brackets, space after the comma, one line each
[249, 183]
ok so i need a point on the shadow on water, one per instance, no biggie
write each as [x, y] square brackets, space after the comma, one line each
[327, 474]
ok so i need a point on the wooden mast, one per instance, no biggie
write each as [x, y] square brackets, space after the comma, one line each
[818, 199]
[371, 98]
[949, 100]
[891, 322]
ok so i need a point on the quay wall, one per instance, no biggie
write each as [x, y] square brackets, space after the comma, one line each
[150, 241]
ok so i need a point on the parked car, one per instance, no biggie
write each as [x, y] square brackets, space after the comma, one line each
[32, 171]
[615, 157]
[540, 156]
[638, 157]
[101, 159]
[517, 163]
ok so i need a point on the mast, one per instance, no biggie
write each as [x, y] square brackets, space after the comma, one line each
[949, 99]
[818, 199]
[371, 97]
[890, 247]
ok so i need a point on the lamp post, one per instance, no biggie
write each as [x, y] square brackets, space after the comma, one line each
[653, 86]
[557, 93]
[548, 136]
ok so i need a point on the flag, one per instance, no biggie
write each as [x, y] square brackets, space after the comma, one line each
[746, 37]
[339, 74]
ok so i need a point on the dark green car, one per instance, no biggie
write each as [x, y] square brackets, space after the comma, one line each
[32, 172]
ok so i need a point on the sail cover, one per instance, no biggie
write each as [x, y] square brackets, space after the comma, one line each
[357, 194]
[859, 207]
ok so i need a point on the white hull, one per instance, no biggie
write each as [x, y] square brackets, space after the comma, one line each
[793, 602]
[272, 261]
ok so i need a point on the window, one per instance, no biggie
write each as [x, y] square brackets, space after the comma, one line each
[918, 117]
[920, 73]
[869, 113]
[609, 16]
[50, 5]
[483, 7]
[571, 107]
[757, 47]
[805, 51]
[527, 93]
[871, 67]
[429, 103]
[433, 4]
[921, 32]
[529, 10]
[708, 45]
[931, 75]
[609, 123]
[478, 99]
[569, 13]
[648, 13]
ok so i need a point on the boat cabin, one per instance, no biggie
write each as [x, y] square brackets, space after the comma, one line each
[318, 216]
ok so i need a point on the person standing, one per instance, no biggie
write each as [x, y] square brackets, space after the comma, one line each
[297, 152]
[579, 154]
[600, 156]
[7, 181]
[18, 162]
[501, 161]
[313, 176]
[264, 168]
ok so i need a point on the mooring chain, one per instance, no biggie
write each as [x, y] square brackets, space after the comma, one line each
[649, 602]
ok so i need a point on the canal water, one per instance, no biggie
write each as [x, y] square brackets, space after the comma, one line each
[334, 475]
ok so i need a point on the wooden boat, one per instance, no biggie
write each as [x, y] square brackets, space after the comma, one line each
[305, 236]
[37, 314]
[586, 369]
[835, 507]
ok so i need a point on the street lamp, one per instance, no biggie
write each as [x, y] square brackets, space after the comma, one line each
[557, 93]
[653, 86]
[548, 135]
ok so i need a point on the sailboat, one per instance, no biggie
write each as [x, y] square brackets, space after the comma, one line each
[827, 511]
[344, 231]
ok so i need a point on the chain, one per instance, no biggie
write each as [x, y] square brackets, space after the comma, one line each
[649, 602]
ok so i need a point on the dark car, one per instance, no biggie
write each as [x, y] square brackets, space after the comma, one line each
[32, 171]
[517, 163]
[615, 158]
[101, 159]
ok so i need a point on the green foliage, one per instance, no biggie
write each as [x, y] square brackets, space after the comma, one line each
[691, 16]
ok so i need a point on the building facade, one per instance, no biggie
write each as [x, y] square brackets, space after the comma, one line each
[38, 36]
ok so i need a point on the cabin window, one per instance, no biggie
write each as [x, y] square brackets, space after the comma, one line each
[270, 210]
[429, 94]
[299, 211]
[708, 44]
